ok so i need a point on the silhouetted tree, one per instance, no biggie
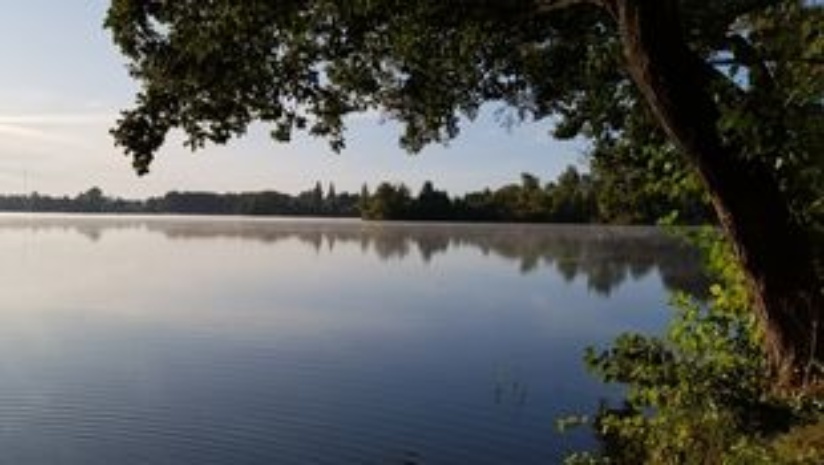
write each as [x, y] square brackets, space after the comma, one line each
[389, 202]
[432, 204]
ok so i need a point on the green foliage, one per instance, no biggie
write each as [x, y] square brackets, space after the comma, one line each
[571, 198]
[644, 183]
[212, 68]
[389, 202]
[245, 203]
[779, 60]
[702, 393]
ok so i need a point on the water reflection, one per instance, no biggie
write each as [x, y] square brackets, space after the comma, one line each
[220, 341]
[604, 256]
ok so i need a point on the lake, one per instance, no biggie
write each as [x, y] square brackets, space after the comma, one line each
[193, 340]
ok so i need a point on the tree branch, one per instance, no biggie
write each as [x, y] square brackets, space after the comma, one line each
[746, 54]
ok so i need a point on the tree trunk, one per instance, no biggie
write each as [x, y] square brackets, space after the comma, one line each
[775, 251]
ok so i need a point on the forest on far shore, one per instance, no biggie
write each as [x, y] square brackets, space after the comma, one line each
[573, 197]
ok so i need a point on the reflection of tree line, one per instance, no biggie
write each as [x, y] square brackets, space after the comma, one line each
[604, 256]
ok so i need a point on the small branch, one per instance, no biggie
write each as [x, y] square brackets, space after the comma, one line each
[749, 56]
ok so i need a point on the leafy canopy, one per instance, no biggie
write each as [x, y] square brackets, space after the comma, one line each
[212, 68]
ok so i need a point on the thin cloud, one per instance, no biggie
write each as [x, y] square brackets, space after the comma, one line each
[33, 134]
[56, 119]
[12, 129]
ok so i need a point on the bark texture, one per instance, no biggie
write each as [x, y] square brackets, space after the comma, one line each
[775, 252]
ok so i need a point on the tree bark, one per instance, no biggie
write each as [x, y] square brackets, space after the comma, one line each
[774, 250]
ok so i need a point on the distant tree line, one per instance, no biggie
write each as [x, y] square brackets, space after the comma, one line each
[597, 197]
[313, 202]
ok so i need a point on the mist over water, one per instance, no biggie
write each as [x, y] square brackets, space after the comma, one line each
[244, 341]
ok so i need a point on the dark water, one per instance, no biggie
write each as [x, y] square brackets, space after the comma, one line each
[220, 341]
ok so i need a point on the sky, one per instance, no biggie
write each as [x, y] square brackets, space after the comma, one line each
[63, 83]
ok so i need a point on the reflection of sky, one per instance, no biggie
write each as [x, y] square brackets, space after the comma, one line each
[170, 343]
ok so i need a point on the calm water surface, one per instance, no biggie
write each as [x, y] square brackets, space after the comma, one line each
[222, 341]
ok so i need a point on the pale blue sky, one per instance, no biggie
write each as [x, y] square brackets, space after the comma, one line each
[62, 83]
